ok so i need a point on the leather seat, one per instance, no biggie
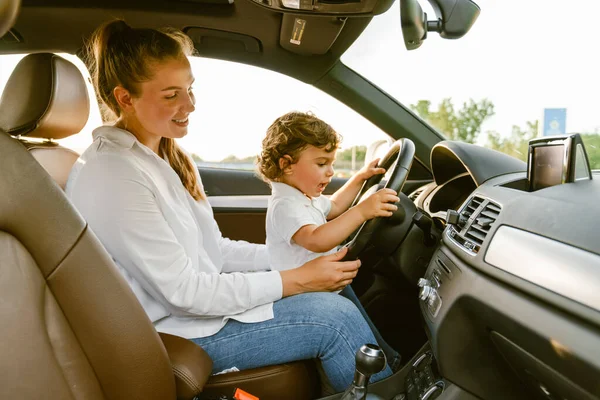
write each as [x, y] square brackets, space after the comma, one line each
[293, 381]
[46, 98]
[71, 328]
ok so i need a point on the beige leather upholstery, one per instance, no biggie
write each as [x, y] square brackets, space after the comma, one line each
[292, 381]
[46, 97]
[70, 327]
[55, 159]
[9, 9]
[191, 365]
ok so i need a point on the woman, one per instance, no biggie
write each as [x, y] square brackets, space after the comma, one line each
[143, 197]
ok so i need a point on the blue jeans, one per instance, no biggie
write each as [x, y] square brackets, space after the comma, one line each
[322, 326]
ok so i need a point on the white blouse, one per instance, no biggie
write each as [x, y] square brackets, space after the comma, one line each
[168, 245]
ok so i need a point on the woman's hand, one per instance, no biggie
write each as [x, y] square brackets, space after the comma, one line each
[369, 170]
[323, 274]
[379, 204]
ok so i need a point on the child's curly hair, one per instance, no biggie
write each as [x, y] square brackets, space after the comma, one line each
[289, 135]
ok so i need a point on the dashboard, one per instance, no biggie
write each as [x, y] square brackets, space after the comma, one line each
[511, 297]
[437, 199]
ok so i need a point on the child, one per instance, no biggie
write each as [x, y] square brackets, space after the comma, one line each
[297, 160]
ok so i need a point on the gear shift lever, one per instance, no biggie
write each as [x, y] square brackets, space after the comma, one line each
[370, 360]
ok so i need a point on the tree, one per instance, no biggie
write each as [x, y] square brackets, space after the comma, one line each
[464, 124]
[231, 159]
[346, 155]
[196, 157]
[592, 148]
[517, 143]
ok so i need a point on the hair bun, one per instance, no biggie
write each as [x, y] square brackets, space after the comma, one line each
[118, 26]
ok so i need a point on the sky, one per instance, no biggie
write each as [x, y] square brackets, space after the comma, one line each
[524, 56]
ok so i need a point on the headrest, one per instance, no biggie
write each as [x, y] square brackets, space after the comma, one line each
[8, 14]
[45, 97]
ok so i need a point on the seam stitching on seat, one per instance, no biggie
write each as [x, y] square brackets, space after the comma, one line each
[254, 376]
[53, 81]
[67, 253]
[50, 343]
[187, 378]
[67, 319]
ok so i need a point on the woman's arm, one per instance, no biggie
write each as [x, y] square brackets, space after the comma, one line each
[238, 255]
[323, 274]
[242, 256]
[344, 196]
[121, 208]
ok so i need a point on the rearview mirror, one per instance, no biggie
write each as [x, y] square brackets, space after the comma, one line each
[412, 20]
[454, 19]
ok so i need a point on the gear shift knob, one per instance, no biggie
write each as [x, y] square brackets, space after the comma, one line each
[370, 360]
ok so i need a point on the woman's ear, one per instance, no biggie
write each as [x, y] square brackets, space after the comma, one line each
[124, 98]
[285, 164]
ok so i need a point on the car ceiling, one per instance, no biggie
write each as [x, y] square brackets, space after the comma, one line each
[62, 25]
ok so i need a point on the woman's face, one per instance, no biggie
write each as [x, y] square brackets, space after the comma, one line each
[164, 103]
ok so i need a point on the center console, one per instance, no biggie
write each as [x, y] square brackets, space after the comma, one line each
[423, 381]
[436, 283]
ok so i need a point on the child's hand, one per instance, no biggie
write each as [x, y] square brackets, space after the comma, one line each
[379, 204]
[369, 170]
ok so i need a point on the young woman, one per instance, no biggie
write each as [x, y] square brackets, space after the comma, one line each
[143, 197]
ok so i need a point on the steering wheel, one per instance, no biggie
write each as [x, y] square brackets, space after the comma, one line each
[400, 156]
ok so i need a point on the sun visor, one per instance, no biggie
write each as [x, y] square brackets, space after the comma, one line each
[217, 43]
[309, 34]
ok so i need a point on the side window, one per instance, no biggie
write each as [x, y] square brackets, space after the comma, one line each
[236, 103]
[83, 139]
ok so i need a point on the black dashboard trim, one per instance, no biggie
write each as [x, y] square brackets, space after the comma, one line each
[451, 158]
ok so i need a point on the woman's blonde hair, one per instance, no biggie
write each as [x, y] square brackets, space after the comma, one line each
[119, 55]
[289, 135]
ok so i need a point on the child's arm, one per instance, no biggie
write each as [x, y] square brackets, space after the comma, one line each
[325, 237]
[344, 196]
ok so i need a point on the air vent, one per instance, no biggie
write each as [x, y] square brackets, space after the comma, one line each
[471, 207]
[413, 196]
[470, 228]
[482, 223]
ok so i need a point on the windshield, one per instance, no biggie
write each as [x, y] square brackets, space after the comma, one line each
[525, 69]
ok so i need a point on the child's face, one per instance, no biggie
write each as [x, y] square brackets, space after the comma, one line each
[313, 171]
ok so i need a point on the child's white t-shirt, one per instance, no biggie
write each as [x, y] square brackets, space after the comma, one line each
[289, 210]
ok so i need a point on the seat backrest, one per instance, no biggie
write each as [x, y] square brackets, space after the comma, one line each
[46, 98]
[70, 327]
